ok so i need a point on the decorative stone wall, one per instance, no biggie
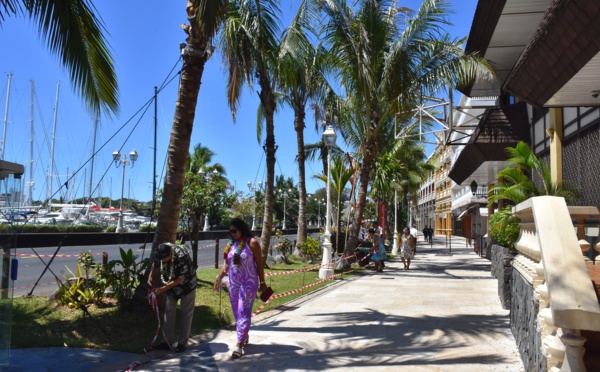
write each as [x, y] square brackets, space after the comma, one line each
[524, 324]
[502, 270]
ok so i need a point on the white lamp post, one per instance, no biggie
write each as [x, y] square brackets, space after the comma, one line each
[253, 189]
[395, 246]
[206, 178]
[326, 270]
[319, 212]
[285, 195]
[133, 155]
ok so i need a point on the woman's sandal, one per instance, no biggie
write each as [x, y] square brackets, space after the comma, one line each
[237, 353]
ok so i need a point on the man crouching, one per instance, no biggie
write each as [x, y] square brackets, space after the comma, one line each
[178, 281]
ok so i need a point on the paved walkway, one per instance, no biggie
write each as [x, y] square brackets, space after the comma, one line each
[441, 315]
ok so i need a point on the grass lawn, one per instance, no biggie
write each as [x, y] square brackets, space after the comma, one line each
[38, 322]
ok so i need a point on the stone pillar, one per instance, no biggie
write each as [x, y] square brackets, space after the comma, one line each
[556, 147]
[490, 213]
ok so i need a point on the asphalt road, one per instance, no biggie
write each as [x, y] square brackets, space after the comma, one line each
[32, 266]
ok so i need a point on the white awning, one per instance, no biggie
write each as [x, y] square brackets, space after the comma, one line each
[483, 212]
[460, 216]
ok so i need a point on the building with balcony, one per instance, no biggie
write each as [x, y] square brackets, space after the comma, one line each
[426, 203]
[443, 191]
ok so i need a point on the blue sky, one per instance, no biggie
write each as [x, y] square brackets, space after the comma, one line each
[144, 37]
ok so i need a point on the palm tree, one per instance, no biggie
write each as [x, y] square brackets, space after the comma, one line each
[340, 176]
[199, 166]
[385, 64]
[250, 51]
[74, 33]
[300, 79]
[205, 17]
[516, 182]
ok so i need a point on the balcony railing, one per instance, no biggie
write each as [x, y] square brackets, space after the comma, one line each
[550, 259]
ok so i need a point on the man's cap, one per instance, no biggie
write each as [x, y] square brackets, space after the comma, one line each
[163, 251]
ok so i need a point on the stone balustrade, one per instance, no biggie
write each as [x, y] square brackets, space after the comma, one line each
[550, 260]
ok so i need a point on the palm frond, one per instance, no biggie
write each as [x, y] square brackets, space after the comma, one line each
[75, 34]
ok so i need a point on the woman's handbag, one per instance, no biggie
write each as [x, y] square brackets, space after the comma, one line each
[266, 294]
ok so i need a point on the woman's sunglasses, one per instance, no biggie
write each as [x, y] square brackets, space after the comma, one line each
[233, 231]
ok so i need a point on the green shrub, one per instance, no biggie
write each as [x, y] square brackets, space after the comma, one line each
[82, 287]
[285, 246]
[504, 227]
[111, 229]
[310, 249]
[44, 229]
[124, 275]
[146, 228]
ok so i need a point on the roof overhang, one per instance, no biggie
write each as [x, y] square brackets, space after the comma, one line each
[500, 32]
[485, 154]
[7, 168]
[545, 52]
[561, 64]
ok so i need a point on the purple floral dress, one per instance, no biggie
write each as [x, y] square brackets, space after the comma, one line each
[243, 285]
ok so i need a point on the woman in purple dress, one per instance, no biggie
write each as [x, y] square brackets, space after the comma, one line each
[243, 266]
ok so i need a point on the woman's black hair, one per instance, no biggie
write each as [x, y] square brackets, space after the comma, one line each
[371, 231]
[242, 226]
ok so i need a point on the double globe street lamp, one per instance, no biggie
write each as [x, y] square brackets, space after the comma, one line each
[319, 202]
[206, 178]
[326, 270]
[133, 156]
[253, 189]
[285, 194]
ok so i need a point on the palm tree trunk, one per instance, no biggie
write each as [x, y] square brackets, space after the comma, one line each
[365, 173]
[194, 59]
[268, 102]
[179, 143]
[301, 158]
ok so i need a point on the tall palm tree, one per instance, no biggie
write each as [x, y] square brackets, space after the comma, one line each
[385, 64]
[300, 79]
[74, 32]
[200, 170]
[201, 159]
[205, 18]
[340, 176]
[250, 51]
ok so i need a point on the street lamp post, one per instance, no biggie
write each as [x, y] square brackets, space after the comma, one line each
[253, 189]
[395, 246]
[206, 177]
[326, 270]
[133, 155]
[285, 195]
[318, 212]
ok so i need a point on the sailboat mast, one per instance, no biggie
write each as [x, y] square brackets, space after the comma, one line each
[30, 184]
[154, 167]
[52, 148]
[93, 156]
[6, 115]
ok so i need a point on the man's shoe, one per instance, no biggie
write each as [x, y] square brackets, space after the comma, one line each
[180, 348]
[161, 346]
